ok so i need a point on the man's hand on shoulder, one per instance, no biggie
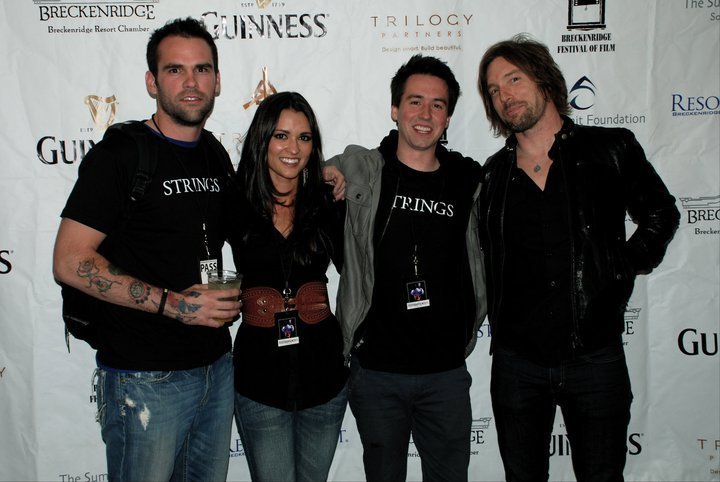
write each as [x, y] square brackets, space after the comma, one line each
[333, 176]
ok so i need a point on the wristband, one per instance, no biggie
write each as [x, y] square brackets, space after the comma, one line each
[163, 299]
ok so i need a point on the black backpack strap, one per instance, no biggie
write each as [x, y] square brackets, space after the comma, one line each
[147, 161]
[79, 309]
[219, 150]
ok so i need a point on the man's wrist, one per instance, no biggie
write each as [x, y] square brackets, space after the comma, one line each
[163, 300]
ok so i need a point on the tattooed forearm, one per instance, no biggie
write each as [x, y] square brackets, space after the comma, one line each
[88, 270]
[139, 292]
[183, 308]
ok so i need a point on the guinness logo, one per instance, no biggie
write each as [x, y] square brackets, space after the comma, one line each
[263, 89]
[102, 110]
[263, 3]
[5, 264]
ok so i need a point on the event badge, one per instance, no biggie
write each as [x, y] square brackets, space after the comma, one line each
[207, 265]
[416, 294]
[287, 328]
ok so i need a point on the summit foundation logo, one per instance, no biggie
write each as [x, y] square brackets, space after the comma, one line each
[582, 97]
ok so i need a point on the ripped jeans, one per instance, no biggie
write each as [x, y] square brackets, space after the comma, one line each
[167, 425]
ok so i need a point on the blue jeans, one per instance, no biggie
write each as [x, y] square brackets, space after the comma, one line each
[167, 425]
[434, 407]
[594, 395]
[284, 446]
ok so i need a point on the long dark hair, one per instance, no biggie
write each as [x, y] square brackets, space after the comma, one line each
[534, 59]
[253, 175]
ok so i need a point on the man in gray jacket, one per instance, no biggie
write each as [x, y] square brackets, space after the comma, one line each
[412, 291]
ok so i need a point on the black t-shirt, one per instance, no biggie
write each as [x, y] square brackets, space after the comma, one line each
[294, 376]
[420, 323]
[161, 244]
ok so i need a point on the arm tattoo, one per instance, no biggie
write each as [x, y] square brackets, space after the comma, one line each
[88, 270]
[139, 292]
[185, 309]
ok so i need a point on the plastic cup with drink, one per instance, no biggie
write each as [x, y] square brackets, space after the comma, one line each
[222, 280]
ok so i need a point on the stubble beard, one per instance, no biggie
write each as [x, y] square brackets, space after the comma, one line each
[528, 119]
[186, 117]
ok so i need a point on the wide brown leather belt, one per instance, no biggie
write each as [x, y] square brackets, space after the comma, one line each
[260, 304]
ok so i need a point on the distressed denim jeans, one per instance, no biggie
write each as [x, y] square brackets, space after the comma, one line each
[167, 425]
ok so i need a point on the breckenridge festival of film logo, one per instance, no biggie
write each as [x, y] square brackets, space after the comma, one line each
[585, 16]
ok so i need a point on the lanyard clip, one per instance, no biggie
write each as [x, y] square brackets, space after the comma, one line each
[286, 297]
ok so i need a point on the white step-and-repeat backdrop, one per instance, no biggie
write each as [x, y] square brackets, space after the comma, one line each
[71, 67]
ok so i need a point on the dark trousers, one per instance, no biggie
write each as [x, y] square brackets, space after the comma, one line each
[593, 392]
[434, 407]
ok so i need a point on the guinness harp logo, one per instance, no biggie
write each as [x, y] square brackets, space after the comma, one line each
[102, 110]
[263, 89]
[263, 3]
[586, 14]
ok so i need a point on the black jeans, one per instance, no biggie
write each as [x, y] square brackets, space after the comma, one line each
[593, 392]
[434, 407]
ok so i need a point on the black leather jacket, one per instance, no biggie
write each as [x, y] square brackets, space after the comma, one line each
[606, 175]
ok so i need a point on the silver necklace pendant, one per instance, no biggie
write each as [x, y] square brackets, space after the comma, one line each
[537, 168]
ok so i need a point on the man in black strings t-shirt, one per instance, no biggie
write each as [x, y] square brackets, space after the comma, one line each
[411, 295]
[165, 387]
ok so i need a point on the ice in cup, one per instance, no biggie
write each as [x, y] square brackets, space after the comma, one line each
[221, 280]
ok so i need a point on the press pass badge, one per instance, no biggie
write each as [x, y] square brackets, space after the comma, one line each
[417, 295]
[287, 328]
[207, 265]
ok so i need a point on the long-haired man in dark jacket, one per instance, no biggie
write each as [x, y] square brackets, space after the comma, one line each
[560, 269]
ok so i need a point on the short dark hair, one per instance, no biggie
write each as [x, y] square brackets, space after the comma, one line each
[534, 59]
[418, 64]
[180, 27]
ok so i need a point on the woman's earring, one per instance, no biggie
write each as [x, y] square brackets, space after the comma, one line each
[304, 176]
